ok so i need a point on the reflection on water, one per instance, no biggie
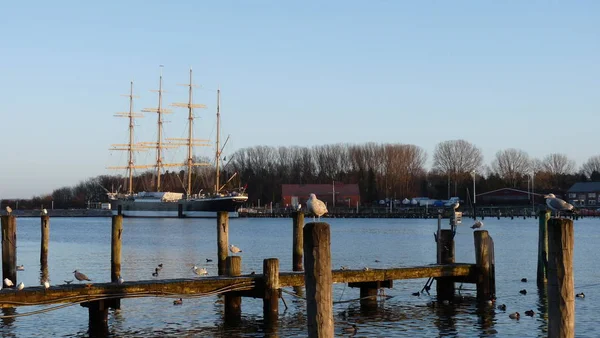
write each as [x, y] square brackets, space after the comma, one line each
[84, 244]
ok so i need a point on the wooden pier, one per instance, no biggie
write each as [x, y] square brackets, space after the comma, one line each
[311, 246]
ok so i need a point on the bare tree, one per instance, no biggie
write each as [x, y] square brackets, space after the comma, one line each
[591, 165]
[455, 158]
[558, 164]
[511, 165]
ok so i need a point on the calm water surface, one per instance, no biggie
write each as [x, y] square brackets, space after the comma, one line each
[84, 244]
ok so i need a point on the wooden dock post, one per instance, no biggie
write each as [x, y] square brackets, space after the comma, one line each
[542, 263]
[45, 229]
[561, 288]
[271, 296]
[115, 253]
[98, 317]
[484, 259]
[298, 221]
[233, 302]
[222, 240]
[318, 280]
[445, 255]
[9, 248]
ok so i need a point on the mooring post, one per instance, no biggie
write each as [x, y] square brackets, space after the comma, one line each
[233, 303]
[561, 294]
[98, 317]
[222, 240]
[115, 248]
[445, 255]
[484, 259]
[45, 228]
[318, 280]
[9, 248]
[298, 223]
[115, 253]
[271, 296]
[542, 263]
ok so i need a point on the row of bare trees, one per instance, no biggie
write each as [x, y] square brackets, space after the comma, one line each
[381, 171]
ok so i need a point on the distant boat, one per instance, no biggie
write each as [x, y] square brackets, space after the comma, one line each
[173, 204]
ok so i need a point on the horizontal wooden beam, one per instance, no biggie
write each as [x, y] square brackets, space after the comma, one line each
[149, 288]
[81, 292]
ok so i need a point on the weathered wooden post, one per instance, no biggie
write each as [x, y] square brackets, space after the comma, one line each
[115, 253]
[271, 296]
[445, 255]
[9, 248]
[298, 222]
[542, 263]
[561, 288]
[484, 259]
[115, 248]
[222, 240]
[318, 280]
[233, 302]
[45, 228]
[98, 317]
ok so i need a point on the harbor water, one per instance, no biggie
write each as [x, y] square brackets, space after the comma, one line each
[178, 244]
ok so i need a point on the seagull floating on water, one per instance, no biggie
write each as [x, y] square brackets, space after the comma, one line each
[558, 205]
[8, 283]
[316, 206]
[80, 276]
[477, 225]
[200, 271]
[234, 249]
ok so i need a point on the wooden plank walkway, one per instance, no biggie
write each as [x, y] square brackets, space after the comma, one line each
[205, 285]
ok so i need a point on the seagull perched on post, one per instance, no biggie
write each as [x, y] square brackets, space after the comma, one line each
[234, 249]
[80, 277]
[8, 210]
[478, 224]
[558, 205]
[316, 206]
[44, 212]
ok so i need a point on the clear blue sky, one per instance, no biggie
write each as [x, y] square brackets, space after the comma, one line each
[500, 74]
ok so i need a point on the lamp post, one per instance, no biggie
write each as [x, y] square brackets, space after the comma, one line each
[474, 174]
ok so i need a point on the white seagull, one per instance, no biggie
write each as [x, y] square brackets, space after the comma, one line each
[316, 206]
[8, 210]
[44, 212]
[80, 277]
[234, 249]
[8, 283]
[454, 205]
[200, 271]
[46, 284]
[478, 224]
[558, 205]
[21, 286]
[120, 280]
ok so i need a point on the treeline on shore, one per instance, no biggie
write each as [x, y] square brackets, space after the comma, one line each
[381, 171]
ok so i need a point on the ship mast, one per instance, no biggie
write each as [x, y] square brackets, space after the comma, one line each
[130, 147]
[158, 144]
[190, 142]
[218, 152]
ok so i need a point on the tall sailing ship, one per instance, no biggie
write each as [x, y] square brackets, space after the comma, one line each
[172, 204]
